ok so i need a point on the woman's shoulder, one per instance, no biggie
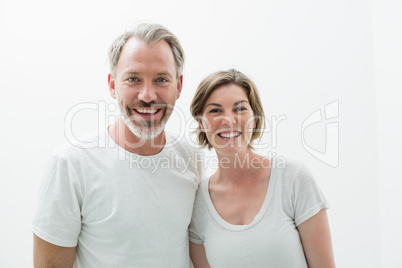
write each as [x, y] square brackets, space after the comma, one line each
[291, 171]
[288, 165]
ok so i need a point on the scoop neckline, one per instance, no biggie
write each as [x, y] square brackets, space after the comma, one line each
[233, 227]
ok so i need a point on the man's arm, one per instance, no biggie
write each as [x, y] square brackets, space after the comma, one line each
[198, 256]
[316, 239]
[47, 255]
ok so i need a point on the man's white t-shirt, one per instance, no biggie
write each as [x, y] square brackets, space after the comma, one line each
[120, 209]
[272, 239]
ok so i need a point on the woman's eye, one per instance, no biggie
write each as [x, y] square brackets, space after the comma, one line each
[214, 111]
[133, 79]
[239, 109]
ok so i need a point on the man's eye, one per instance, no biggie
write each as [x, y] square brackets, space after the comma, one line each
[161, 80]
[133, 79]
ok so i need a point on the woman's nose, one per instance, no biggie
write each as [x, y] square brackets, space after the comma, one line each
[228, 120]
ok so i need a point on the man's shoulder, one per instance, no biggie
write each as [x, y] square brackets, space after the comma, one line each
[75, 146]
[181, 142]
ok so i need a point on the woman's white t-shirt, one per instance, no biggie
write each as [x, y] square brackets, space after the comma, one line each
[272, 239]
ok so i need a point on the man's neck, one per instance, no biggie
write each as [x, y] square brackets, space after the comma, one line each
[123, 137]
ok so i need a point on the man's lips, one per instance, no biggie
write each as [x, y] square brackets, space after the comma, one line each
[147, 111]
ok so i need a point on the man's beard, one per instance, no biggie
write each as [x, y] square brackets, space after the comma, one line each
[145, 129]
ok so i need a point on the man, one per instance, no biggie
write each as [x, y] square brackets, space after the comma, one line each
[127, 204]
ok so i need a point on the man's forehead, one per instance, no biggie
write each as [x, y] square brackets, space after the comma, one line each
[138, 57]
[146, 42]
[134, 43]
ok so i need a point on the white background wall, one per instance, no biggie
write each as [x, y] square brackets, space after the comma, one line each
[387, 24]
[302, 55]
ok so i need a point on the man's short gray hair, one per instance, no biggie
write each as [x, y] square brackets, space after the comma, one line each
[149, 33]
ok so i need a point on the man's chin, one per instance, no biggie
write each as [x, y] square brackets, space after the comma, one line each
[146, 133]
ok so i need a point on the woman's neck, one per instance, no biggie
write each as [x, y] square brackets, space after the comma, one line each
[239, 167]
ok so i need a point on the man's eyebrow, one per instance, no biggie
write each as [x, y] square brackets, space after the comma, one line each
[165, 74]
[130, 73]
[138, 73]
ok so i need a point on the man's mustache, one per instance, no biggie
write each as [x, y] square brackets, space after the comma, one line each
[147, 104]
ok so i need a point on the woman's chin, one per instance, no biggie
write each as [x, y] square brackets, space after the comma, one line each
[230, 149]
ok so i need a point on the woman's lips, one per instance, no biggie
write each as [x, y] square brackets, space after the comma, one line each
[229, 134]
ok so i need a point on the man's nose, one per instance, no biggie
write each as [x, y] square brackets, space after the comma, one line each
[147, 93]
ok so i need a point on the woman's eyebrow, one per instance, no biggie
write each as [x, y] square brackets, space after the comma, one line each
[239, 102]
[215, 104]
[219, 105]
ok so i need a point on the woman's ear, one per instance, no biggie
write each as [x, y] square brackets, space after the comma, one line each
[201, 125]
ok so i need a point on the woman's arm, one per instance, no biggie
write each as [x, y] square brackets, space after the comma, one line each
[316, 239]
[198, 256]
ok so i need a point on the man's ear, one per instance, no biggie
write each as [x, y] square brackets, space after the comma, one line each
[179, 86]
[112, 90]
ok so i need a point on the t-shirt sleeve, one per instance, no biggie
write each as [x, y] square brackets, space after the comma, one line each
[308, 197]
[197, 224]
[58, 216]
[193, 234]
[199, 158]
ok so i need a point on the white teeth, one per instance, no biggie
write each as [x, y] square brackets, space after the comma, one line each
[230, 135]
[146, 111]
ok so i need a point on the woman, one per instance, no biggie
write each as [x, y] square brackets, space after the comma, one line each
[250, 212]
